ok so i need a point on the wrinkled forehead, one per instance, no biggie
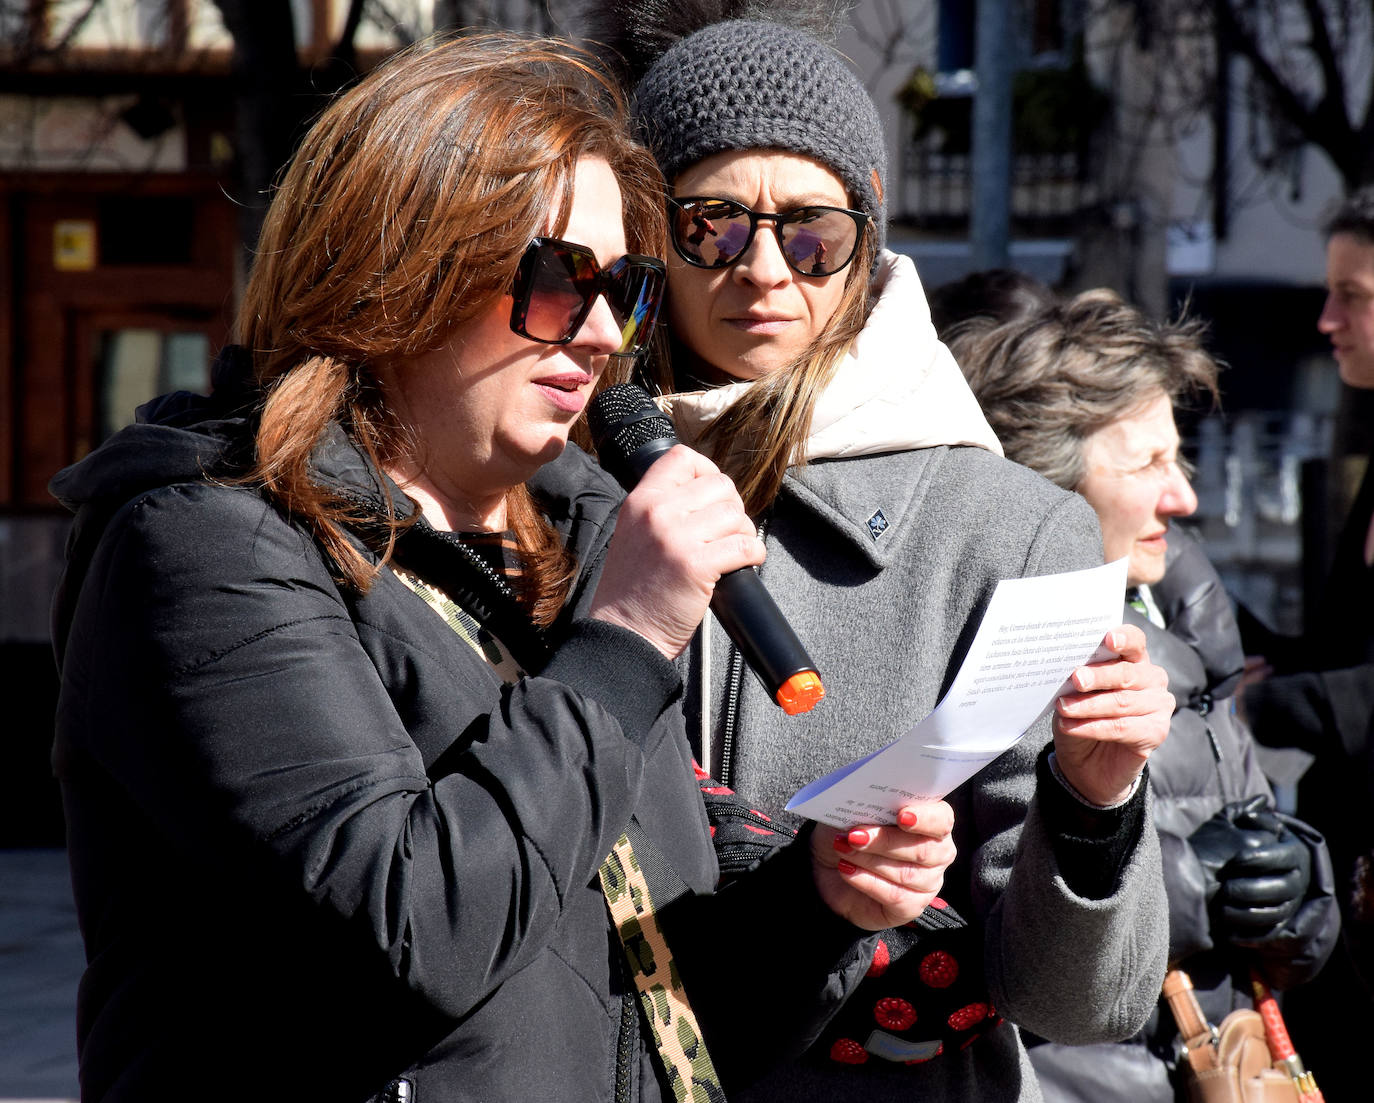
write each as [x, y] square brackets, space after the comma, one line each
[1143, 433]
[778, 178]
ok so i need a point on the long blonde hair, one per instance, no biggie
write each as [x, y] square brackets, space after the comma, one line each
[403, 216]
[761, 435]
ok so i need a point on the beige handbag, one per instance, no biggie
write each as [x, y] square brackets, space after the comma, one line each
[1233, 1062]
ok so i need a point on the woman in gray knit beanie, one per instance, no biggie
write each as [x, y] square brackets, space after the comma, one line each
[801, 357]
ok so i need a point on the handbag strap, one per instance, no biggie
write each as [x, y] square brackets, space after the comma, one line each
[1199, 1036]
[625, 881]
[1280, 1045]
[677, 1035]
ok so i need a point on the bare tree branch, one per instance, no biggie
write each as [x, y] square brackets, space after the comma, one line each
[1326, 54]
[73, 29]
[345, 47]
[1324, 124]
[404, 34]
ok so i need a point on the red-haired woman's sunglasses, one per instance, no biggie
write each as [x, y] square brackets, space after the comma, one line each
[558, 282]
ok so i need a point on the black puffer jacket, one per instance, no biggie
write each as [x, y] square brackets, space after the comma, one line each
[1208, 761]
[316, 844]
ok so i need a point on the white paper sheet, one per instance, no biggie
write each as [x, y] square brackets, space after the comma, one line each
[1035, 633]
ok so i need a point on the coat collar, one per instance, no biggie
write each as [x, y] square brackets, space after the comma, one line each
[897, 387]
[868, 501]
[882, 426]
[1188, 675]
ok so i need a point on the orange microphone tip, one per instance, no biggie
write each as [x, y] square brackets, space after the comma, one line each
[801, 692]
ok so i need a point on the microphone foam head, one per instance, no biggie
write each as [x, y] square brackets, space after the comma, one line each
[622, 419]
[613, 405]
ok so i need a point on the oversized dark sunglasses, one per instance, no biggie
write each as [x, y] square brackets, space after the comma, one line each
[714, 233]
[557, 283]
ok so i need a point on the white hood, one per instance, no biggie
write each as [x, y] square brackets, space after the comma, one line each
[898, 388]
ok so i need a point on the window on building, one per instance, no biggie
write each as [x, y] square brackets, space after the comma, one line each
[137, 364]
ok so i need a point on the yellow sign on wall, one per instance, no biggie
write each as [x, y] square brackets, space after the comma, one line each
[73, 245]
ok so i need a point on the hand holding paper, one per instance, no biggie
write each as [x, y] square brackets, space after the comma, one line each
[1035, 633]
[1118, 714]
[878, 877]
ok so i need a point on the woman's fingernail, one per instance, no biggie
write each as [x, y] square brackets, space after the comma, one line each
[842, 844]
[1116, 641]
[907, 818]
[858, 837]
[847, 868]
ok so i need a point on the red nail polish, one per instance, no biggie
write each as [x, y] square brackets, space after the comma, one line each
[858, 837]
[847, 868]
[842, 844]
[906, 817]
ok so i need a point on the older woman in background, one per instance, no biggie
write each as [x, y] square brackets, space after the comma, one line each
[1084, 393]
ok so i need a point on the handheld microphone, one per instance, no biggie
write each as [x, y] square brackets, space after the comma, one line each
[630, 433]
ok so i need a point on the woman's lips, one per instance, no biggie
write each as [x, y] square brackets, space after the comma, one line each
[565, 391]
[763, 326]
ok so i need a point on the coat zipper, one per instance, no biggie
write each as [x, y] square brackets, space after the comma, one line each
[626, 1040]
[1204, 707]
[734, 683]
[480, 565]
[481, 596]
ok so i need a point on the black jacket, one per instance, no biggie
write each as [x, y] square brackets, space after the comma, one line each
[1321, 696]
[1208, 761]
[1321, 699]
[316, 844]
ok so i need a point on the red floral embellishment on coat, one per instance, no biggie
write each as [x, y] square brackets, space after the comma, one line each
[968, 1016]
[848, 1052]
[881, 960]
[894, 1013]
[939, 969]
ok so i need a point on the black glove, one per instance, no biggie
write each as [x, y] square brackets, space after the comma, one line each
[1258, 871]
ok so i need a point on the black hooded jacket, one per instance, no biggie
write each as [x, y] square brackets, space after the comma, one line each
[316, 844]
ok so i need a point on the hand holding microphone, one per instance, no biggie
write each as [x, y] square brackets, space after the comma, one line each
[634, 440]
[682, 528]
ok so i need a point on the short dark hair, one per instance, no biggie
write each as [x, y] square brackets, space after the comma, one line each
[996, 294]
[1355, 216]
[963, 310]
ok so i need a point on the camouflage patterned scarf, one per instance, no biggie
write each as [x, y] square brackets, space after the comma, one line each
[676, 1032]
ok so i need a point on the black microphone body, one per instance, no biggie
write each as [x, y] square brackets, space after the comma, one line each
[630, 434]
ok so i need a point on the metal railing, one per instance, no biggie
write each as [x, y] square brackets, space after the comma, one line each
[1049, 191]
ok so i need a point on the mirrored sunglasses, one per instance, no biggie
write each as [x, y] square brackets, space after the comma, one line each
[558, 282]
[714, 233]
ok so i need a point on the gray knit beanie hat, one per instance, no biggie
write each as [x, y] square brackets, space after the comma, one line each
[754, 84]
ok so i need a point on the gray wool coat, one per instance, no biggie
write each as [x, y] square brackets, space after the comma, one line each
[883, 564]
